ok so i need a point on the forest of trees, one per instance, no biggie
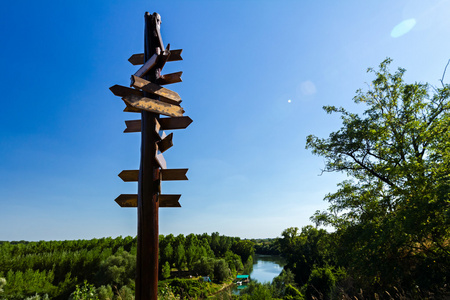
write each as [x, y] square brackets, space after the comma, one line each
[107, 266]
[390, 222]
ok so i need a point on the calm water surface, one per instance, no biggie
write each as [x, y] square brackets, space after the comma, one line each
[267, 267]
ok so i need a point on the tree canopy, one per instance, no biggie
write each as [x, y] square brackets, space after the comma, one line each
[393, 213]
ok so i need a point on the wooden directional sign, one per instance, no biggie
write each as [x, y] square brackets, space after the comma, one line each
[146, 96]
[175, 123]
[164, 175]
[167, 124]
[147, 66]
[122, 91]
[129, 175]
[169, 200]
[130, 200]
[169, 78]
[173, 174]
[138, 59]
[133, 126]
[131, 109]
[165, 94]
[166, 143]
[154, 106]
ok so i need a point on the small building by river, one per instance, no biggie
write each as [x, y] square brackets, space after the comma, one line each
[242, 279]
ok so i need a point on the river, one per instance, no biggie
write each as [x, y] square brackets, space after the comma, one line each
[267, 267]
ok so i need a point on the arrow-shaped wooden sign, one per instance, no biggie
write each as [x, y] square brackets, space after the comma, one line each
[122, 91]
[135, 126]
[129, 175]
[129, 108]
[130, 200]
[165, 175]
[147, 66]
[175, 123]
[169, 78]
[152, 105]
[169, 200]
[166, 143]
[166, 94]
[138, 59]
[173, 174]
[167, 124]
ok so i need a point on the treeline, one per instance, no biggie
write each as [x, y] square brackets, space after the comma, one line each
[267, 246]
[107, 266]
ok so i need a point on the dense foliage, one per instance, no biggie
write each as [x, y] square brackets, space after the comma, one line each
[392, 216]
[107, 266]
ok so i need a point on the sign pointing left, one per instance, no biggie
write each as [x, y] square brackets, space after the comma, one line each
[131, 200]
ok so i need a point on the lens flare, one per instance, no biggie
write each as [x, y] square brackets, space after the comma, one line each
[403, 28]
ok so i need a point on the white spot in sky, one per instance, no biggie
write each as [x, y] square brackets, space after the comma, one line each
[403, 28]
[289, 101]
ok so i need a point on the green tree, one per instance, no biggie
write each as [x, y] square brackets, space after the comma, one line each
[305, 250]
[118, 269]
[221, 270]
[244, 248]
[85, 292]
[180, 257]
[392, 216]
[166, 270]
[204, 266]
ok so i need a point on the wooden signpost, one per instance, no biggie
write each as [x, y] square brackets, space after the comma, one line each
[147, 97]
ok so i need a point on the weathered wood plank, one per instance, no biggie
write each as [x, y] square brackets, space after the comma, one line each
[138, 59]
[129, 175]
[122, 91]
[127, 200]
[133, 126]
[169, 78]
[130, 200]
[147, 66]
[166, 143]
[169, 200]
[175, 123]
[175, 55]
[173, 174]
[129, 108]
[166, 94]
[165, 175]
[154, 106]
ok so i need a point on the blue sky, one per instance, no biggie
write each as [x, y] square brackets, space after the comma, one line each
[256, 75]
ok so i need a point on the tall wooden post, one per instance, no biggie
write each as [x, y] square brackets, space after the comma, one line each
[148, 186]
[151, 99]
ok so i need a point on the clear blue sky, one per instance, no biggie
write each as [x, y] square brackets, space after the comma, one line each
[256, 75]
